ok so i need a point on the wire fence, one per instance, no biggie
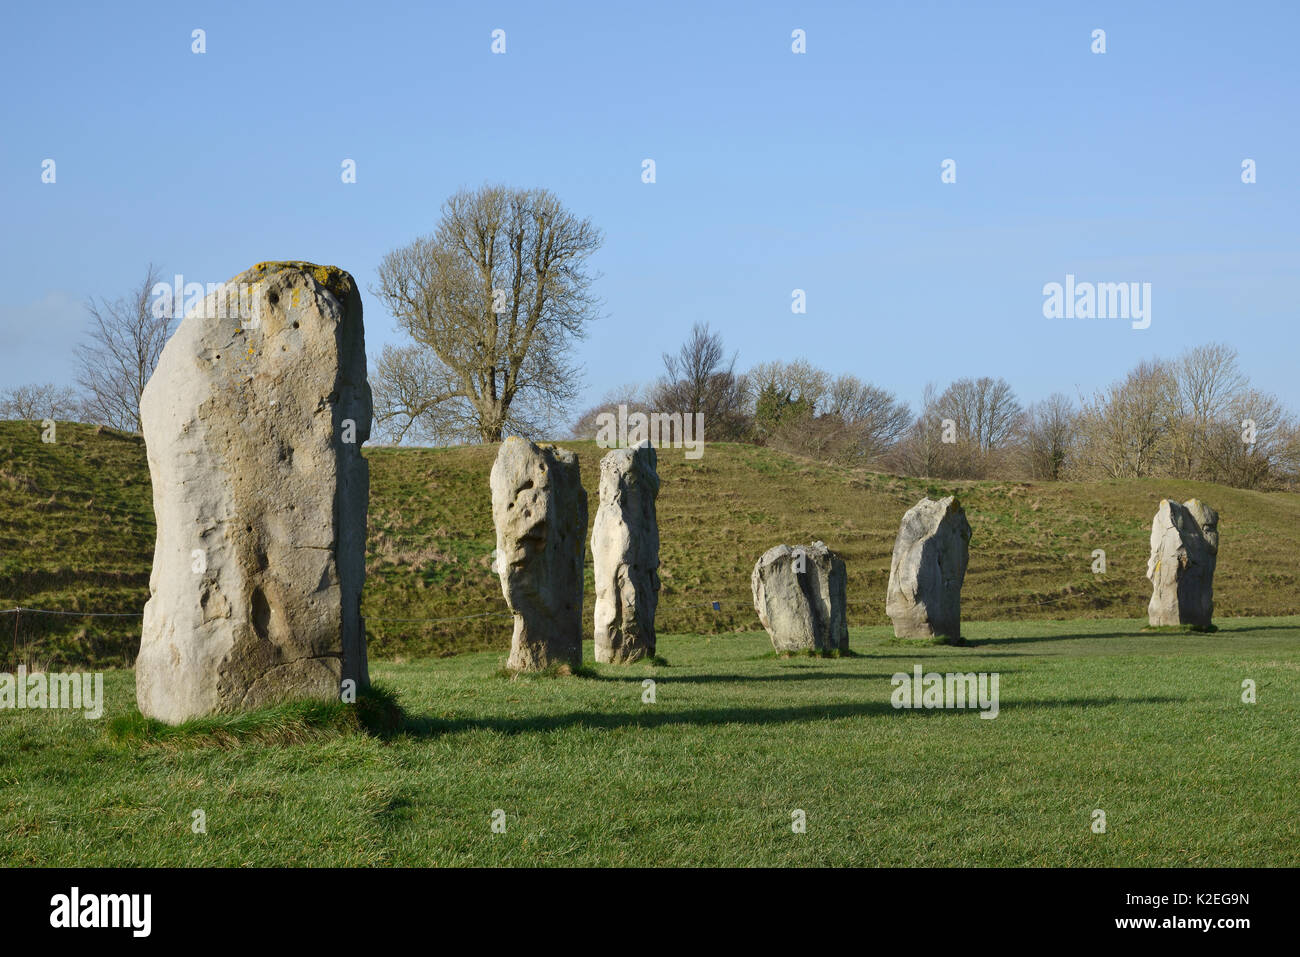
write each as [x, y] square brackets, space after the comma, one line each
[71, 614]
[26, 632]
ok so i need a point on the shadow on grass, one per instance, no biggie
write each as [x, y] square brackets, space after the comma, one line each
[741, 679]
[1173, 632]
[918, 646]
[1235, 629]
[436, 727]
[378, 714]
[1034, 639]
[1141, 630]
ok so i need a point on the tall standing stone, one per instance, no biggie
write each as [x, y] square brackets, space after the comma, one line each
[800, 596]
[625, 555]
[1184, 552]
[253, 421]
[539, 508]
[927, 570]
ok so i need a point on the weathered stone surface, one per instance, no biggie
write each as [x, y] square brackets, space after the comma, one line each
[800, 596]
[260, 498]
[927, 570]
[625, 555]
[539, 508]
[1184, 551]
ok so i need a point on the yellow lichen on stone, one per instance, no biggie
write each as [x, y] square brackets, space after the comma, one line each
[336, 280]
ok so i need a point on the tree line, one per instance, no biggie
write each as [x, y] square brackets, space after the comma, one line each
[1192, 417]
[492, 303]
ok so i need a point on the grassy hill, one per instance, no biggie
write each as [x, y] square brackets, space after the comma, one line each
[76, 533]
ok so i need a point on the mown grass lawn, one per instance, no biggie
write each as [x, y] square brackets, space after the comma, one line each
[1094, 715]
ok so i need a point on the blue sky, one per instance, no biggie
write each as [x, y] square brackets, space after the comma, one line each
[775, 171]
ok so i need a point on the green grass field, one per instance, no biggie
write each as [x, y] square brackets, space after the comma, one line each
[1149, 728]
[1094, 713]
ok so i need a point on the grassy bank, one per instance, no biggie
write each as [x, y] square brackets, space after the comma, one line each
[76, 532]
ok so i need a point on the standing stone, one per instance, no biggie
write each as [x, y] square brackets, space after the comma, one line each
[800, 597]
[625, 555]
[1184, 551]
[927, 570]
[253, 421]
[539, 508]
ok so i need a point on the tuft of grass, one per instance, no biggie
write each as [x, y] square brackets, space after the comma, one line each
[379, 712]
[376, 712]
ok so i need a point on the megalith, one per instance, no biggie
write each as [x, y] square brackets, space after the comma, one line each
[1184, 551]
[253, 421]
[625, 555]
[539, 508]
[927, 570]
[800, 597]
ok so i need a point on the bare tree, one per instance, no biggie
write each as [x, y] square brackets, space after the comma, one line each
[1249, 444]
[418, 396]
[1049, 436]
[633, 396]
[1288, 455]
[700, 379]
[38, 402]
[1206, 385]
[800, 408]
[1124, 431]
[964, 432]
[798, 379]
[985, 410]
[493, 301]
[126, 338]
[923, 451]
[874, 418]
